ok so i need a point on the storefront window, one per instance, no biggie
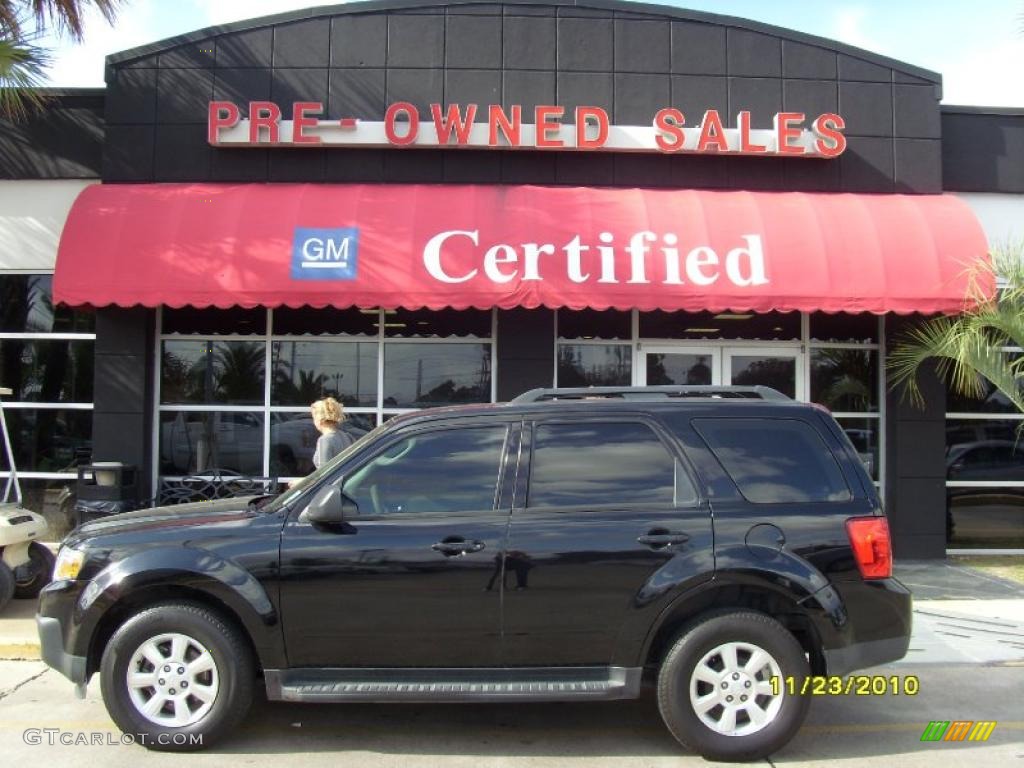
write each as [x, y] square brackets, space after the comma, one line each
[864, 434]
[984, 483]
[211, 321]
[304, 371]
[195, 442]
[991, 399]
[46, 358]
[595, 365]
[47, 371]
[26, 306]
[767, 326]
[325, 322]
[217, 411]
[423, 375]
[213, 372]
[607, 325]
[845, 379]
[859, 328]
[49, 440]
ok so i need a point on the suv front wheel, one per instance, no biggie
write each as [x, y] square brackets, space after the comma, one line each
[722, 686]
[177, 677]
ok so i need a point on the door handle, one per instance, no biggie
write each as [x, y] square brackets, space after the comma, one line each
[453, 547]
[660, 538]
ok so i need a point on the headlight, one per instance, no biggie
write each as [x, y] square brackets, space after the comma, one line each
[69, 563]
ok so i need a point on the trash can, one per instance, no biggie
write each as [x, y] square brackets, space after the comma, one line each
[105, 488]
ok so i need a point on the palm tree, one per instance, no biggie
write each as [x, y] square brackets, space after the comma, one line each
[969, 349]
[23, 63]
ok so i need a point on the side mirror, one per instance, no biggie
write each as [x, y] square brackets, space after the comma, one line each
[329, 507]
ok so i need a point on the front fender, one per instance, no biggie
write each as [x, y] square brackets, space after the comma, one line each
[195, 570]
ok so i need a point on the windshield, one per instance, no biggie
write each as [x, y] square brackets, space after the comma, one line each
[301, 485]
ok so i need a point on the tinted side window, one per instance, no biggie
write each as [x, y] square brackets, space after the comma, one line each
[592, 463]
[452, 470]
[775, 460]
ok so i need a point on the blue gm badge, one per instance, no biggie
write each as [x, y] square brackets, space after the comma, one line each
[325, 254]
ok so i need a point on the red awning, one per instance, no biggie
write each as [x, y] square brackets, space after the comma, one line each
[412, 246]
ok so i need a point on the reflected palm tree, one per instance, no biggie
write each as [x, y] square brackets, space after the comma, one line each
[241, 370]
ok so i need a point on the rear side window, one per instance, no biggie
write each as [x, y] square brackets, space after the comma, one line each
[775, 460]
[600, 463]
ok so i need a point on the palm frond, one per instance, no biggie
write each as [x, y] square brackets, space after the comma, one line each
[22, 71]
[63, 16]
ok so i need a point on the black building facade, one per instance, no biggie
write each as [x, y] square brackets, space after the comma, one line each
[180, 391]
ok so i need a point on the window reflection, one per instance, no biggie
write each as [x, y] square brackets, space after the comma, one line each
[195, 442]
[594, 365]
[679, 368]
[213, 372]
[845, 379]
[26, 306]
[47, 371]
[989, 518]
[863, 433]
[591, 464]
[48, 439]
[422, 375]
[305, 371]
[455, 470]
[775, 460]
[293, 440]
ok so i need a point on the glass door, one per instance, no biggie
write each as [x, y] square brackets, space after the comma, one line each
[679, 365]
[775, 367]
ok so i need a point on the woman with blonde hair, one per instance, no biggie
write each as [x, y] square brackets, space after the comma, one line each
[327, 417]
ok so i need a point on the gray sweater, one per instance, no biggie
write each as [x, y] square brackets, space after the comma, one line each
[329, 445]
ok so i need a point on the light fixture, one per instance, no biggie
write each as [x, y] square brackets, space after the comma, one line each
[731, 316]
[701, 330]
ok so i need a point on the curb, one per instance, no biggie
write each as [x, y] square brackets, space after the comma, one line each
[19, 652]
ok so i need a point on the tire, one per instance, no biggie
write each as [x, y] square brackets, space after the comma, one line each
[705, 649]
[6, 584]
[35, 574]
[178, 631]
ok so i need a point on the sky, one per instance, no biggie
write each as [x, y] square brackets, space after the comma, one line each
[977, 46]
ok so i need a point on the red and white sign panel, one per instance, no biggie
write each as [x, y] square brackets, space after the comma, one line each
[377, 245]
[588, 129]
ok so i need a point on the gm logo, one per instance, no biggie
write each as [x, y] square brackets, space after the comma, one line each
[325, 254]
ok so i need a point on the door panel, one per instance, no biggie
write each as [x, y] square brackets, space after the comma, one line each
[775, 368]
[413, 580]
[587, 553]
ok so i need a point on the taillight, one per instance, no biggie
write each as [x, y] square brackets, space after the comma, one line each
[869, 537]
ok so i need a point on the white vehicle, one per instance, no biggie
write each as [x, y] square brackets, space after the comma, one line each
[26, 565]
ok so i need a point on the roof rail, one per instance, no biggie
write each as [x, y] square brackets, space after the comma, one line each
[650, 393]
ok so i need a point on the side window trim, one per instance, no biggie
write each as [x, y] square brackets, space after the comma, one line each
[681, 462]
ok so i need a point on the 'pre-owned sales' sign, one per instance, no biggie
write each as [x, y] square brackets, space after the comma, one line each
[793, 134]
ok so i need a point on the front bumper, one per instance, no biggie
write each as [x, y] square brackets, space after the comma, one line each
[51, 642]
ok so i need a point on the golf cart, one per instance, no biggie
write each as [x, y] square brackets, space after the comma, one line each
[26, 564]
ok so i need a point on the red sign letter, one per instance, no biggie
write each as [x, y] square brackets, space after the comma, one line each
[264, 114]
[301, 122]
[784, 132]
[712, 132]
[600, 119]
[391, 117]
[453, 121]
[497, 119]
[222, 114]
[746, 145]
[669, 123]
[831, 142]
[546, 121]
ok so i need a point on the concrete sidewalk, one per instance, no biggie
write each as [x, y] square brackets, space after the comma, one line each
[961, 615]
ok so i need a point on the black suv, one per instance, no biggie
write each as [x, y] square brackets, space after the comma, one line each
[719, 542]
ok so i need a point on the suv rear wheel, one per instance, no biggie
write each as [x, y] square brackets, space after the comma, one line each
[177, 677]
[716, 691]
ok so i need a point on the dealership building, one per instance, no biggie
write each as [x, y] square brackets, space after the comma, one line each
[406, 205]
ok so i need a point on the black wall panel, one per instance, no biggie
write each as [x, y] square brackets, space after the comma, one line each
[609, 56]
[63, 141]
[983, 149]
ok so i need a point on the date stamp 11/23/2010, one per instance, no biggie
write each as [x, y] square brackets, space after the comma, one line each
[854, 685]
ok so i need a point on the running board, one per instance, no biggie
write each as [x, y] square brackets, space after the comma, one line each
[475, 684]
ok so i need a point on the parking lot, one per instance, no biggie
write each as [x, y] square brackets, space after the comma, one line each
[840, 730]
